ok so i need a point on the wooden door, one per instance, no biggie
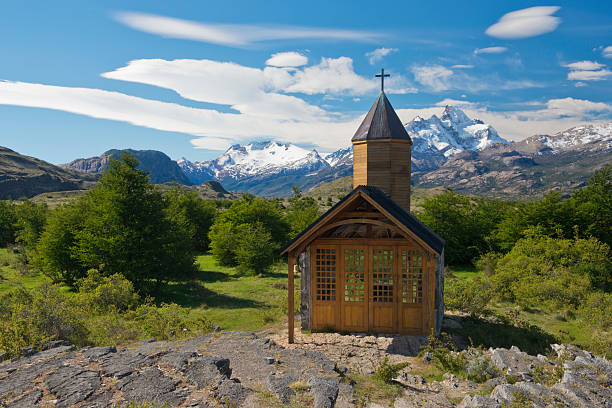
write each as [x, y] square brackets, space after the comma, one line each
[381, 289]
[354, 302]
[324, 285]
[412, 291]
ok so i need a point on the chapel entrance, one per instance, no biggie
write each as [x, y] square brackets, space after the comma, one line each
[369, 288]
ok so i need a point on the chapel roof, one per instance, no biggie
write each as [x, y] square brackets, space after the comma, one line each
[381, 122]
[403, 217]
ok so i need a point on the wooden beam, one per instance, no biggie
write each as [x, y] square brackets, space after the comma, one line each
[292, 266]
[361, 214]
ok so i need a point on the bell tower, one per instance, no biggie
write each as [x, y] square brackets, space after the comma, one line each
[382, 151]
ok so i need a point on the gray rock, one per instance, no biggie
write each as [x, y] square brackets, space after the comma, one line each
[409, 379]
[151, 385]
[21, 378]
[232, 393]
[72, 385]
[279, 386]
[95, 353]
[269, 360]
[208, 371]
[178, 359]
[427, 357]
[324, 392]
[512, 361]
[26, 401]
[478, 401]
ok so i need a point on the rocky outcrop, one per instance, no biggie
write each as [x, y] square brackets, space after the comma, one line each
[238, 369]
[225, 370]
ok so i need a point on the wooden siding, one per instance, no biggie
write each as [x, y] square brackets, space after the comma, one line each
[385, 164]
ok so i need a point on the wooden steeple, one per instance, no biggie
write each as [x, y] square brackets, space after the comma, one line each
[382, 151]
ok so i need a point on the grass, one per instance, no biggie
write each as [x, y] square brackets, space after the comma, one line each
[465, 272]
[13, 277]
[230, 299]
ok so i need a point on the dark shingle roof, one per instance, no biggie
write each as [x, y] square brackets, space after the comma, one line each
[381, 122]
[397, 211]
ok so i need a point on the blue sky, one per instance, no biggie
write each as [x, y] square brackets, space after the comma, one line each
[192, 77]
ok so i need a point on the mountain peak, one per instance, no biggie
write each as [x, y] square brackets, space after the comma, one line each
[454, 115]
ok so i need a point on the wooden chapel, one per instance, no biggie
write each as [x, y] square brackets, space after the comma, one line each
[367, 264]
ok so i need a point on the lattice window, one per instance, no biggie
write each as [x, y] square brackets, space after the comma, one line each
[325, 274]
[354, 275]
[412, 276]
[382, 275]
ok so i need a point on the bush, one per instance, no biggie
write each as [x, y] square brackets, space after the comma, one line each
[541, 270]
[255, 250]
[597, 310]
[249, 234]
[8, 221]
[387, 372]
[470, 296]
[102, 294]
[34, 317]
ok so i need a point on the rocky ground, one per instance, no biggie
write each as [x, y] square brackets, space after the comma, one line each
[235, 369]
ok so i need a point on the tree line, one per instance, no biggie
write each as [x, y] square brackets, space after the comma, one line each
[126, 226]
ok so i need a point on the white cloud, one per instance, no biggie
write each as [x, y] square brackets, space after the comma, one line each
[579, 84]
[587, 71]
[439, 78]
[378, 54]
[454, 102]
[525, 23]
[287, 59]
[435, 77]
[599, 75]
[234, 34]
[550, 117]
[607, 52]
[214, 130]
[584, 65]
[462, 66]
[490, 50]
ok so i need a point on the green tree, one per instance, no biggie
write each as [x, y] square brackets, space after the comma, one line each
[30, 222]
[57, 248]
[593, 206]
[252, 214]
[255, 250]
[8, 219]
[553, 216]
[198, 215]
[119, 227]
[301, 212]
[464, 222]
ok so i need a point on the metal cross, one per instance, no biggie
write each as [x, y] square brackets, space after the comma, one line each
[382, 76]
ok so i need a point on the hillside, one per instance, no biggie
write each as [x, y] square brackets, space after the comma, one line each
[160, 167]
[337, 189]
[561, 162]
[24, 176]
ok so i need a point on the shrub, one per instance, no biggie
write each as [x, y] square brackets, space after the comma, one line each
[102, 294]
[470, 296]
[34, 317]
[386, 372]
[255, 249]
[597, 309]
[195, 214]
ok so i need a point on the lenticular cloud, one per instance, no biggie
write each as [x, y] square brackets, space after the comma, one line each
[525, 23]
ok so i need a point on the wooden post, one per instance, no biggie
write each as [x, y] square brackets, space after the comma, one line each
[292, 266]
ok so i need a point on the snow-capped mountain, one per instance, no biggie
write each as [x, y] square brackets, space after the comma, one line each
[586, 137]
[340, 156]
[438, 138]
[271, 167]
[255, 164]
